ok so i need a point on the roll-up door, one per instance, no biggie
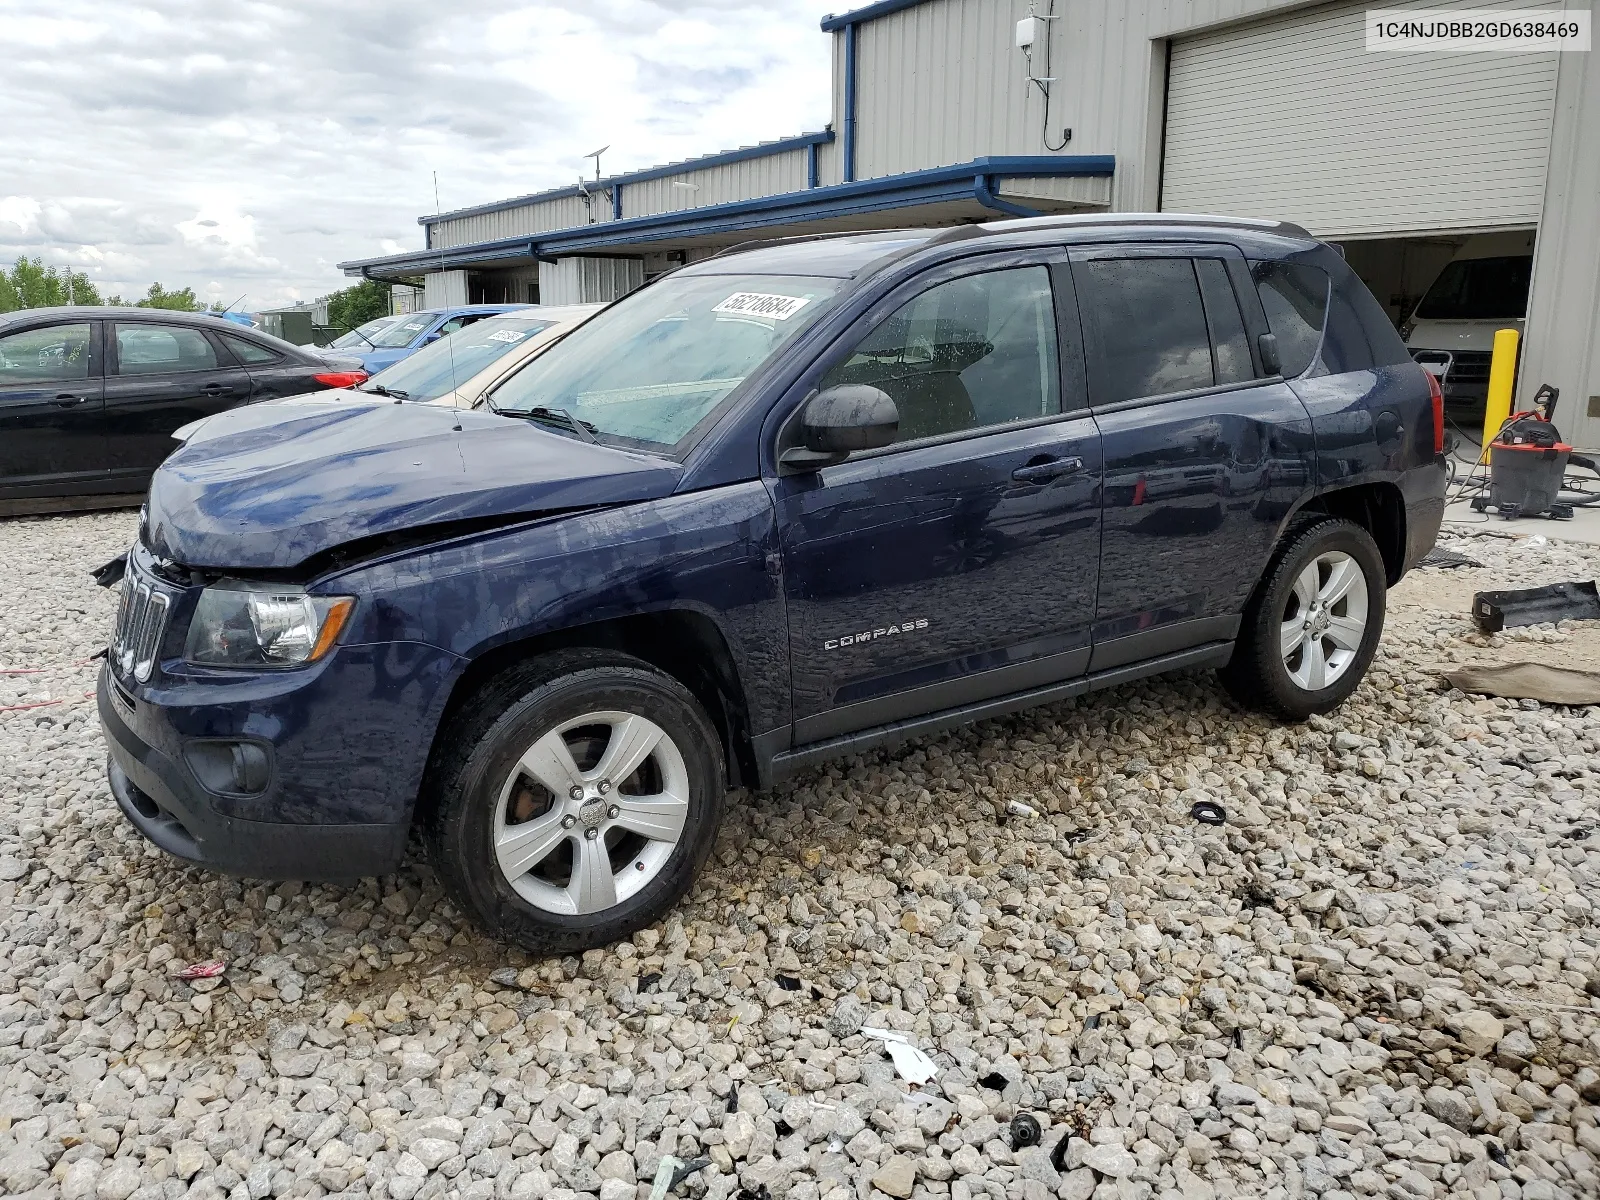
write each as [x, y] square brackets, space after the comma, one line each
[1292, 118]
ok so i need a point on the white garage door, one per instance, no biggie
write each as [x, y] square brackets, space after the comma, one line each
[1291, 118]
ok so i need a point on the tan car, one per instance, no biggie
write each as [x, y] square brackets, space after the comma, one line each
[458, 369]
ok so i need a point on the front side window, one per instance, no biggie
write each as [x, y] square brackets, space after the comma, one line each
[159, 349]
[1295, 297]
[402, 333]
[1480, 289]
[974, 352]
[1144, 325]
[650, 368]
[54, 354]
[446, 364]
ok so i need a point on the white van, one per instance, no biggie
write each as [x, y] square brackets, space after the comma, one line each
[1482, 289]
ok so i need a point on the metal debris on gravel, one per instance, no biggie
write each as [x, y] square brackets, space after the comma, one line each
[1379, 978]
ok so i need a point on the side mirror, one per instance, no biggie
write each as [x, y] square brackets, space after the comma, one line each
[836, 422]
[432, 337]
[1267, 343]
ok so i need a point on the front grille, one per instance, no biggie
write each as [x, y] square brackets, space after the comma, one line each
[141, 622]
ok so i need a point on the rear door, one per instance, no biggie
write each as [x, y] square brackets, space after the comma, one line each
[1204, 452]
[159, 377]
[273, 373]
[958, 564]
[52, 440]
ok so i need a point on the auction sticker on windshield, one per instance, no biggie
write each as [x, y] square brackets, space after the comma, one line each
[761, 304]
[506, 335]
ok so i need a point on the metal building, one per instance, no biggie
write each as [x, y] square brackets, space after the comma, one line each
[1245, 107]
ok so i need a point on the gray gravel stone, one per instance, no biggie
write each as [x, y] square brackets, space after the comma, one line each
[1387, 958]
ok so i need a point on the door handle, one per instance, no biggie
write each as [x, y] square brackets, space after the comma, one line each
[1044, 471]
[217, 389]
[67, 400]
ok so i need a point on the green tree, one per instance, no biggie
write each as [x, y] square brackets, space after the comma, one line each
[356, 305]
[31, 284]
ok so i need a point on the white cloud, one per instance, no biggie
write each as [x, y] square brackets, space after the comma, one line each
[309, 132]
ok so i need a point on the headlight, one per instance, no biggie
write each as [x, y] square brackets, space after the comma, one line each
[249, 625]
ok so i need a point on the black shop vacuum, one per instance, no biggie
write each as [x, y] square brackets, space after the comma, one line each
[1528, 462]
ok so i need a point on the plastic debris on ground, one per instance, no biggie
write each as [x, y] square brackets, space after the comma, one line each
[1208, 812]
[914, 1066]
[1527, 681]
[672, 1172]
[1447, 559]
[1571, 601]
[1025, 1131]
[204, 970]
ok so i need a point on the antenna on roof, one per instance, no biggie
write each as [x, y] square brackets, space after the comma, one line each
[455, 383]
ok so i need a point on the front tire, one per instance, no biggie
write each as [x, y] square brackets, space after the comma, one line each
[1312, 627]
[577, 798]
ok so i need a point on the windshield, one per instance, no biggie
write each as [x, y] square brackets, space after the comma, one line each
[354, 337]
[648, 369]
[404, 331]
[1479, 289]
[451, 361]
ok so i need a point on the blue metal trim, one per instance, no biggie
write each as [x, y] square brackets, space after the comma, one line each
[813, 177]
[841, 199]
[983, 188]
[849, 104]
[781, 146]
[616, 202]
[870, 12]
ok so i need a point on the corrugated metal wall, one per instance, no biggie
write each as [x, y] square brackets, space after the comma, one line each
[765, 176]
[943, 83]
[1294, 118]
[444, 287]
[514, 222]
[1563, 345]
[588, 280]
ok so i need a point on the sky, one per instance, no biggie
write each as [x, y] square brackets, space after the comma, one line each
[244, 148]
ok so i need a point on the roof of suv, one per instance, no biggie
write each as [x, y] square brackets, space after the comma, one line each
[845, 255]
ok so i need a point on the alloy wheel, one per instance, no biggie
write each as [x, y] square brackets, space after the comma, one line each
[591, 813]
[1324, 620]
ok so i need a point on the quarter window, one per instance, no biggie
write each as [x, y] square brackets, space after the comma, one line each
[977, 351]
[54, 354]
[162, 349]
[1295, 297]
[1145, 327]
[248, 352]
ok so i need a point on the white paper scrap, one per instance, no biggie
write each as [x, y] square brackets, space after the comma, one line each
[914, 1066]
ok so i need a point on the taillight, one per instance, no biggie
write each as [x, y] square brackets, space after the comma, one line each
[340, 379]
[1436, 393]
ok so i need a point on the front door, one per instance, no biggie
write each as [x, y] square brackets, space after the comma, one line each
[160, 378]
[1204, 451]
[958, 564]
[52, 442]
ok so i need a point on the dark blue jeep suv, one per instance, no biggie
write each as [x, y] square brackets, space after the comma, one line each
[790, 502]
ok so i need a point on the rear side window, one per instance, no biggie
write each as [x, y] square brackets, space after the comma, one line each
[248, 352]
[1145, 327]
[1295, 297]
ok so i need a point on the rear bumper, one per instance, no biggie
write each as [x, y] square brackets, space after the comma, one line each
[163, 800]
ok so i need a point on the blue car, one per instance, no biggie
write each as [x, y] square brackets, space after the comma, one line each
[782, 505]
[386, 346]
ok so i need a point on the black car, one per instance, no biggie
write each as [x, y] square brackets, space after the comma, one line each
[90, 397]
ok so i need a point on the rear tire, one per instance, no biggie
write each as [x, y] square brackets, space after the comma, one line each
[1311, 629]
[575, 800]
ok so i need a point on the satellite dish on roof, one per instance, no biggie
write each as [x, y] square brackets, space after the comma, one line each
[595, 154]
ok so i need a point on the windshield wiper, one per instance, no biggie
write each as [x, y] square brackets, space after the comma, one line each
[379, 390]
[553, 416]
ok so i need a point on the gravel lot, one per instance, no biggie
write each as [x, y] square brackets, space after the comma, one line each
[1378, 978]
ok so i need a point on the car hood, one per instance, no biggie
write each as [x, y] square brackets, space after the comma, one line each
[269, 486]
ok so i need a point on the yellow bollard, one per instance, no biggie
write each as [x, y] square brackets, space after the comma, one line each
[1502, 374]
